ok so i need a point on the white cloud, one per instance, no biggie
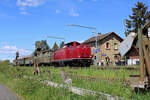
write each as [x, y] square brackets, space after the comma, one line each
[73, 13]
[23, 4]
[58, 11]
[80, 41]
[8, 50]
[30, 3]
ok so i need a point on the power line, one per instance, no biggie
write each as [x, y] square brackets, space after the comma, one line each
[56, 37]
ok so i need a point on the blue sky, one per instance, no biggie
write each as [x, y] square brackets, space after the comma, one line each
[22, 22]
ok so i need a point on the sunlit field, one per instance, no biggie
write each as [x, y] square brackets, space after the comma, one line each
[108, 81]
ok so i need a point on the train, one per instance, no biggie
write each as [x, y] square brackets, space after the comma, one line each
[72, 54]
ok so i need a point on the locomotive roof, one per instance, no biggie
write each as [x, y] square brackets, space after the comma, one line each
[72, 43]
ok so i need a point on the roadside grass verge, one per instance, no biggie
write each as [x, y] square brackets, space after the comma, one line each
[28, 89]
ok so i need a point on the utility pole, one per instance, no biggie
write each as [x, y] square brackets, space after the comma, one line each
[125, 27]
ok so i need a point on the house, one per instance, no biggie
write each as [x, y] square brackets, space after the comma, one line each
[107, 47]
[129, 49]
[133, 56]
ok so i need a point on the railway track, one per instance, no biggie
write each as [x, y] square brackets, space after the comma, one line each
[118, 68]
[94, 78]
[112, 68]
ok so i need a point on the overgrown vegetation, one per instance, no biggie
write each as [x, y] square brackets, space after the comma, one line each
[28, 89]
[115, 88]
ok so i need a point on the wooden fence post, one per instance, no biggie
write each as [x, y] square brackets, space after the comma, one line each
[49, 73]
[38, 69]
[63, 75]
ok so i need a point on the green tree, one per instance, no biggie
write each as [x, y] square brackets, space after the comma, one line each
[55, 47]
[44, 45]
[37, 46]
[62, 44]
[41, 45]
[140, 15]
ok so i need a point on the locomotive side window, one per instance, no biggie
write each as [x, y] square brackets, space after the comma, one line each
[70, 45]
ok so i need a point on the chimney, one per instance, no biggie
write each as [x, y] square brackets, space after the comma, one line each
[149, 33]
[99, 34]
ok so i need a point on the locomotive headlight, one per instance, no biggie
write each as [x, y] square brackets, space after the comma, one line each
[79, 56]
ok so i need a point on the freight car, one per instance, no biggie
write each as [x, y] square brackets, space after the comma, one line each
[72, 54]
[24, 61]
[44, 58]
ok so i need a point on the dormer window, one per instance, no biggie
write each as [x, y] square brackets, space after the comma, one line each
[107, 45]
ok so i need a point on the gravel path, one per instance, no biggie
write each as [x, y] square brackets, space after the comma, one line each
[6, 94]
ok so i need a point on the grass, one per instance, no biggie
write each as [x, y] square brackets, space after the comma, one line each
[106, 73]
[115, 88]
[34, 90]
[29, 89]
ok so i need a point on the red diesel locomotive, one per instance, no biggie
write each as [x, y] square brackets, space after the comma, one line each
[73, 54]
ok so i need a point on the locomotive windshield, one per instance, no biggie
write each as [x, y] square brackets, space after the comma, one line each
[71, 44]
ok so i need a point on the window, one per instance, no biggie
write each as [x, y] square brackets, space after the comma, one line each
[70, 45]
[107, 45]
[64, 46]
[115, 46]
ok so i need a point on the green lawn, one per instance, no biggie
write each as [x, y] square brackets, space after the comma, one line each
[33, 90]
